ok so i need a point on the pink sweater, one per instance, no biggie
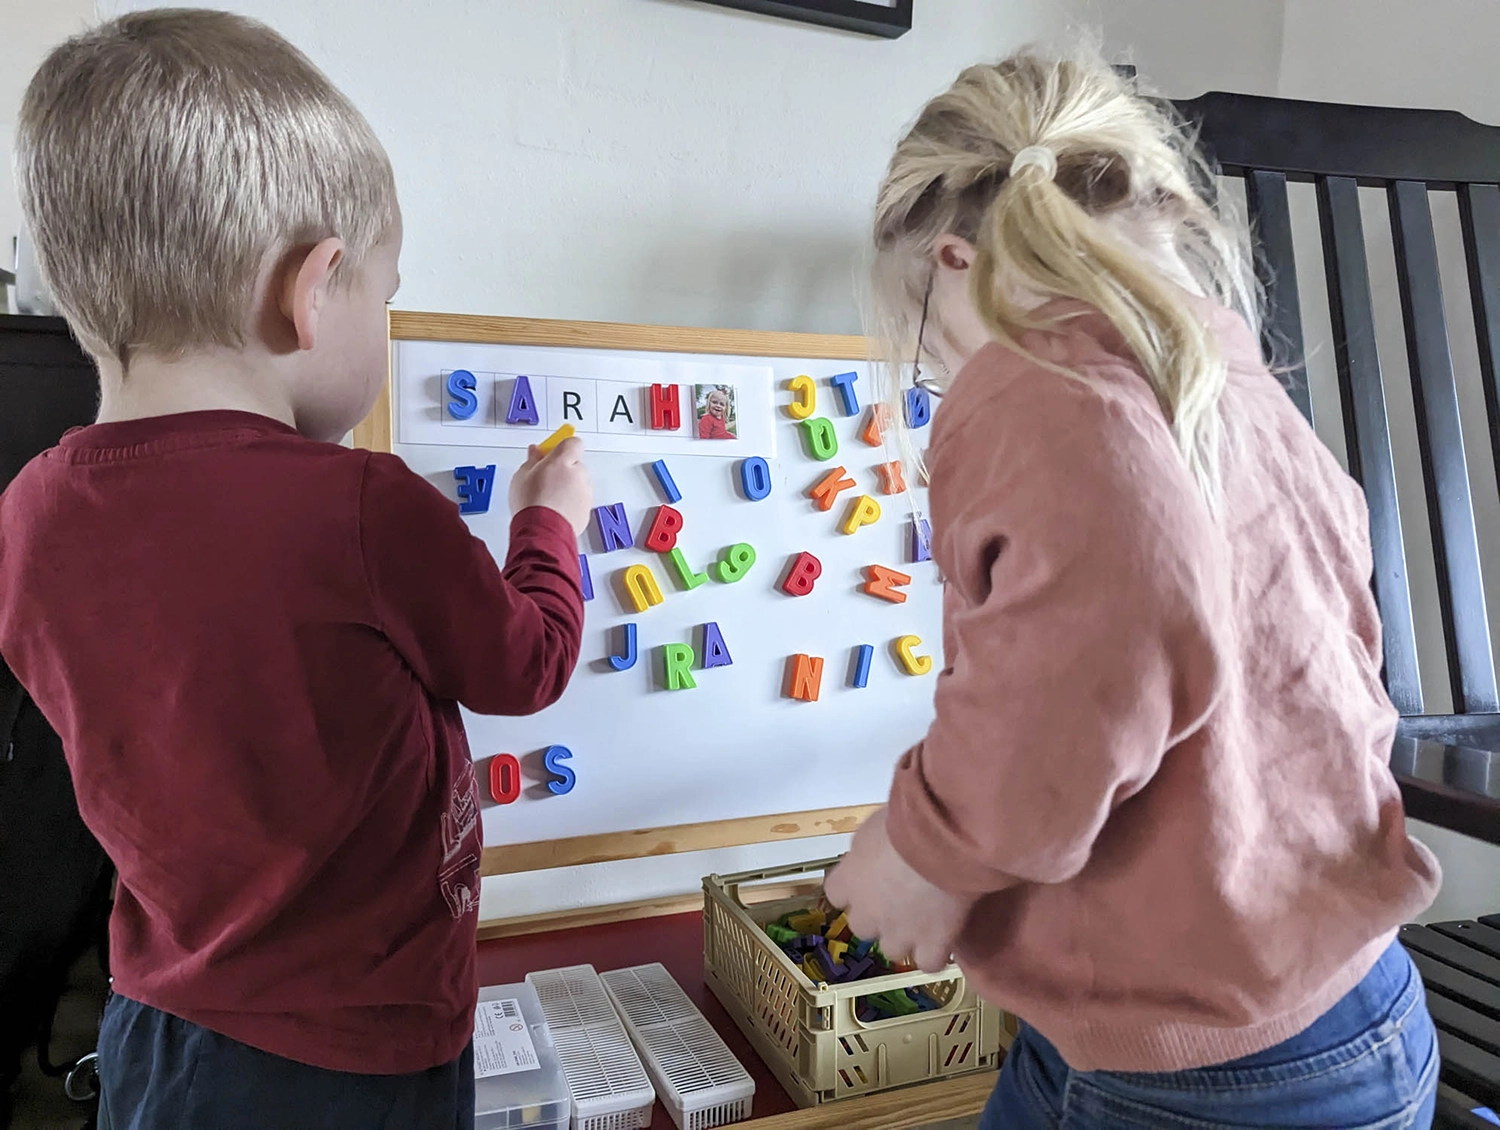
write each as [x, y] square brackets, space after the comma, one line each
[1161, 746]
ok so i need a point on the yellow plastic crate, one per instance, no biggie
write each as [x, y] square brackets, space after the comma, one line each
[808, 1033]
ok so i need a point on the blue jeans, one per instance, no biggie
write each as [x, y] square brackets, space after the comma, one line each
[159, 1072]
[1368, 1063]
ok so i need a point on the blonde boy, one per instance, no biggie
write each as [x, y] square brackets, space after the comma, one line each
[254, 641]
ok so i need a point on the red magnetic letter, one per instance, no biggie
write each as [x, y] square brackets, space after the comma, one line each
[664, 530]
[805, 570]
[505, 778]
[666, 413]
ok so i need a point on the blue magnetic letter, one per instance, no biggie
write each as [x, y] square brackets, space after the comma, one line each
[626, 661]
[918, 407]
[566, 778]
[715, 654]
[585, 578]
[474, 486]
[522, 408]
[614, 527]
[921, 540]
[862, 664]
[664, 477]
[844, 382]
[461, 389]
[755, 478]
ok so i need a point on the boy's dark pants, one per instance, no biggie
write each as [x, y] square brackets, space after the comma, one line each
[158, 1072]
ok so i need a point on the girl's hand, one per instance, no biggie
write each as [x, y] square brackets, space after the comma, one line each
[889, 901]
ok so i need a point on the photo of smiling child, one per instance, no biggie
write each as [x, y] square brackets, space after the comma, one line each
[714, 405]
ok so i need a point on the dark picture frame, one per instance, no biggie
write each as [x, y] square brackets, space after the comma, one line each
[886, 21]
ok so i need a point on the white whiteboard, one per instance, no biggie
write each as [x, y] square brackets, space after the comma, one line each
[736, 745]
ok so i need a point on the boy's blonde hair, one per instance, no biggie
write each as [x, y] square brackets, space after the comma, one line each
[1040, 235]
[162, 156]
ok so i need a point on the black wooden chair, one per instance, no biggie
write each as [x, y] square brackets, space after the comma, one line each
[1448, 765]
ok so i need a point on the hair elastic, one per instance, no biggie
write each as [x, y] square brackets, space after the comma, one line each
[1040, 156]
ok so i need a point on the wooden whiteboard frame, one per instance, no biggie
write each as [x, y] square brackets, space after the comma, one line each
[376, 431]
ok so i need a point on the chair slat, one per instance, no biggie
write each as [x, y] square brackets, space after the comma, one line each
[1366, 429]
[1479, 215]
[1472, 1027]
[1440, 947]
[1281, 337]
[1464, 1065]
[1455, 984]
[1445, 471]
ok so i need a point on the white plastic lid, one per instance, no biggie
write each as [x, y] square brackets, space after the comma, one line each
[518, 1080]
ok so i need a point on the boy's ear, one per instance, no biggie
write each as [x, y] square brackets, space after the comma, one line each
[305, 285]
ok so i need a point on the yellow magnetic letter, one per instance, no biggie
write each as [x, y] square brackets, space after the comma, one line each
[641, 587]
[914, 664]
[863, 512]
[807, 397]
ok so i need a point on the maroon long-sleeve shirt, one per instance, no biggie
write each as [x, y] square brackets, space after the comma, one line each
[254, 647]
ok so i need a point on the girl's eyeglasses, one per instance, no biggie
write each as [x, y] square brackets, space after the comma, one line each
[918, 378]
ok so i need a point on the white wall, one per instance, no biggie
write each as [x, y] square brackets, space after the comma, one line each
[1436, 54]
[28, 29]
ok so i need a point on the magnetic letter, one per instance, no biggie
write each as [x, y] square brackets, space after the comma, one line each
[822, 443]
[921, 540]
[666, 408]
[874, 433]
[734, 562]
[884, 583]
[805, 570]
[914, 664]
[566, 778]
[892, 480]
[522, 408]
[676, 659]
[844, 382]
[918, 407]
[585, 578]
[505, 778]
[863, 654]
[715, 654]
[755, 478]
[807, 677]
[614, 527]
[826, 489]
[664, 477]
[567, 431]
[804, 397]
[474, 486]
[690, 580]
[641, 587]
[662, 537]
[863, 511]
[462, 401]
[626, 660]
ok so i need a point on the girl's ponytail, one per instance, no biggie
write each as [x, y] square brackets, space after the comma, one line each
[1036, 237]
[1031, 160]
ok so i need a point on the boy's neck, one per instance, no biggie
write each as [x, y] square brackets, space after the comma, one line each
[196, 382]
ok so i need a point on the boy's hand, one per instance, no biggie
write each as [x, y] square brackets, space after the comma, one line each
[558, 480]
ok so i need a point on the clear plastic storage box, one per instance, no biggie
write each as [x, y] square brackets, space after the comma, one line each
[518, 1080]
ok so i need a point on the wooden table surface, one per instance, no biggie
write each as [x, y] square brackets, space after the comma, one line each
[677, 942]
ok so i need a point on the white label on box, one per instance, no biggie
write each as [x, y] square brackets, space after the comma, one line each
[502, 1043]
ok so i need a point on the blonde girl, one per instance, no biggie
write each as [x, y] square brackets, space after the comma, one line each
[1153, 815]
